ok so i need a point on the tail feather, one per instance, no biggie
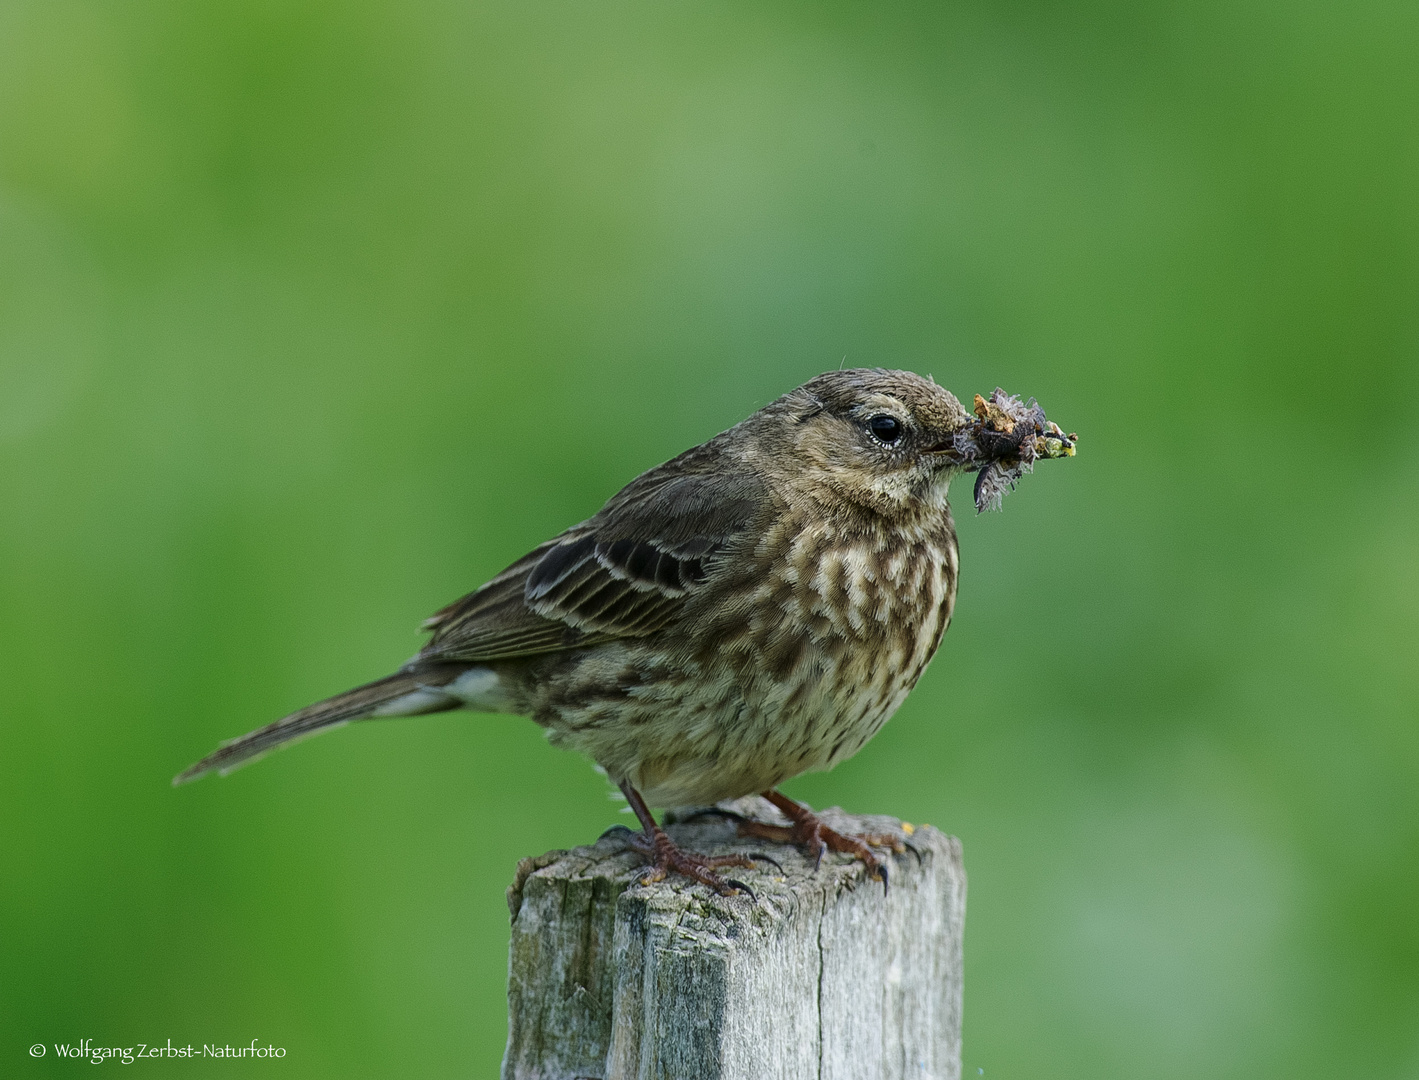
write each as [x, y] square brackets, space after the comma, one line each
[400, 694]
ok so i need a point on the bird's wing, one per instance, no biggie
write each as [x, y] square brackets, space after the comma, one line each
[626, 572]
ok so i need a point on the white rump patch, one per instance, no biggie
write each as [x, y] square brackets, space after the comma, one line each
[481, 689]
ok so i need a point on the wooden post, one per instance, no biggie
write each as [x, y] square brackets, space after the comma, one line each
[822, 976]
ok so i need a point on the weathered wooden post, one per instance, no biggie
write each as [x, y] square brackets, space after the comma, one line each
[822, 976]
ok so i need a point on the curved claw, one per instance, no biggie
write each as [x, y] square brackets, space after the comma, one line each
[886, 877]
[768, 859]
[741, 886]
[820, 848]
[615, 829]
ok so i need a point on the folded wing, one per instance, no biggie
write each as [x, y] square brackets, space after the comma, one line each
[627, 572]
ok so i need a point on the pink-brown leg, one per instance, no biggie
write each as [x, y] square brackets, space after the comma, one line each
[808, 832]
[666, 857]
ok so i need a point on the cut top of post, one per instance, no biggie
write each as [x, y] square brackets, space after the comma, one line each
[820, 975]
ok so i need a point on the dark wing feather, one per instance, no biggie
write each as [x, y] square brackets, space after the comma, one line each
[626, 572]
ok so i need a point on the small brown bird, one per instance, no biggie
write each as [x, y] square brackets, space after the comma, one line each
[753, 609]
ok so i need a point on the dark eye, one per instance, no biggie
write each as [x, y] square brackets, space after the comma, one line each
[887, 428]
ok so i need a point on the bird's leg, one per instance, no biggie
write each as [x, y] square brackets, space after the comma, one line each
[665, 856]
[809, 833]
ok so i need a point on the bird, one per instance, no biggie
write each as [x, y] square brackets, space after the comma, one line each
[753, 609]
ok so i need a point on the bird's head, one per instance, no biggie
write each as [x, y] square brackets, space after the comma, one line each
[892, 440]
[886, 440]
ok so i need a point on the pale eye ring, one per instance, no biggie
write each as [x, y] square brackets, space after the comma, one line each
[885, 428]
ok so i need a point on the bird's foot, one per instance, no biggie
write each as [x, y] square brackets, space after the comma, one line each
[666, 857]
[810, 833]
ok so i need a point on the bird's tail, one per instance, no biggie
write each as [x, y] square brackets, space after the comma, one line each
[405, 693]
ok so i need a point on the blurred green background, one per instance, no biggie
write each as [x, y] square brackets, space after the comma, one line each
[315, 314]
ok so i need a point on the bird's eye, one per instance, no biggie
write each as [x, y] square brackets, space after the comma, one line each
[888, 429]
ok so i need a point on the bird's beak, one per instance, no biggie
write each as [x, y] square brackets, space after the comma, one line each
[957, 451]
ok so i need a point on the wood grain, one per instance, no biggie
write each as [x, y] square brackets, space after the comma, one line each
[820, 976]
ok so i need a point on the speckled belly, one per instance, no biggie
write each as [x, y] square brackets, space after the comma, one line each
[737, 718]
